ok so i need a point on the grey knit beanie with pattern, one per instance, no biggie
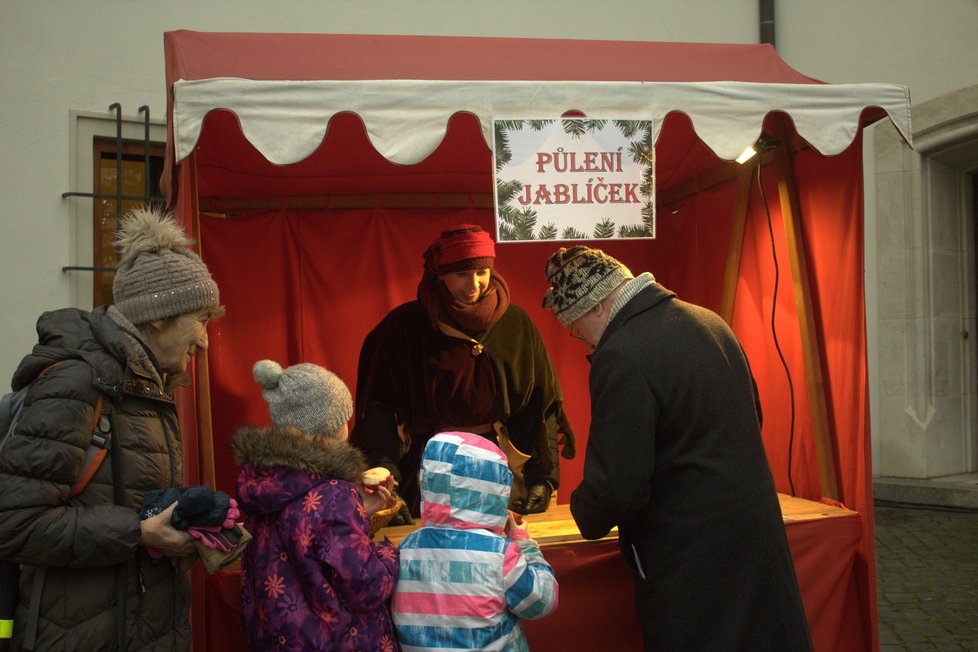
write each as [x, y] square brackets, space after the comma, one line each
[580, 278]
[158, 276]
[304, 396]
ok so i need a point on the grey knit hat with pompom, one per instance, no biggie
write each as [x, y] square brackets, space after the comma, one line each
[158, 276]
[304, 396]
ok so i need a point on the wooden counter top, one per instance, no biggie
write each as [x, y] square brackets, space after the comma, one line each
[800, 509]
[556, 525]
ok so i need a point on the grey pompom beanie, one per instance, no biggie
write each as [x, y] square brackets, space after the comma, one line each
[158, 276]
[580, 278]
[304, 396]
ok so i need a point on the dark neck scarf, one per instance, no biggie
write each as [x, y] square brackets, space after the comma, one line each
[471, 318]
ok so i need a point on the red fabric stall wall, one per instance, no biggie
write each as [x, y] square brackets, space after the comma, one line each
[308, 286]
[833, 192]
[830, 204]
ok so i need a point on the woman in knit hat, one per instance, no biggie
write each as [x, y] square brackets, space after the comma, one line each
[79, 551]
[312, 578]
[461, 357]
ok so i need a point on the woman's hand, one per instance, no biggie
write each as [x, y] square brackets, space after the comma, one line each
[156, 532]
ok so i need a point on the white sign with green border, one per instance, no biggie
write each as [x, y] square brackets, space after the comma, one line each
[573, 179]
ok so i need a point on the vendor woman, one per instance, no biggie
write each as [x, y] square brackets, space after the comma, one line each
[462, 358]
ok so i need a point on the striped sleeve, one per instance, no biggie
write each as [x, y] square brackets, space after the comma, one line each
[531, 587]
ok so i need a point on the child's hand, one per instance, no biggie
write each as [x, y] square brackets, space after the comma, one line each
[376, 498]
[514, 526]
[390, 483]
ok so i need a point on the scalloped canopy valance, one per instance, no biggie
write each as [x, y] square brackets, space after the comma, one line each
[407, 119]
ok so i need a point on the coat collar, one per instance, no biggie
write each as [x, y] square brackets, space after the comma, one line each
[142, 362]
[641, 302]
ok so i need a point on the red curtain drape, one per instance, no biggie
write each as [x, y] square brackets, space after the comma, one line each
[309, 285]
[323, 278]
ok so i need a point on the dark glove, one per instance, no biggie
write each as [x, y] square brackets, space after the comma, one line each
[200, 505]
[537, 499]
[197, 505]
[157, 500]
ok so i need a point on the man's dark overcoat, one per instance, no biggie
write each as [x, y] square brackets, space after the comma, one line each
[675, 460]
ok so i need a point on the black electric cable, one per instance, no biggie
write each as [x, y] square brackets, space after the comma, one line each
[774, 331]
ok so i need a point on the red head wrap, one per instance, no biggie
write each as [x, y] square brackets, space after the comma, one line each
[462, 247]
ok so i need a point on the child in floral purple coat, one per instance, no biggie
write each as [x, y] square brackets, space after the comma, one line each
[312, 578]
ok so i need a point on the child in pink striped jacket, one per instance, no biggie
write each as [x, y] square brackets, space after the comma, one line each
[470, 573]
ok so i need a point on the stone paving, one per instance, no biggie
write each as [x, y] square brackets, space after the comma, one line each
[927, 578]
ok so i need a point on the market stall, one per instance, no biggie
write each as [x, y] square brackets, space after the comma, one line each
[314, 170]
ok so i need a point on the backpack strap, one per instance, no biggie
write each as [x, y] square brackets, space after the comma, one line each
[34, 608]
[98, 448]
[122, 570]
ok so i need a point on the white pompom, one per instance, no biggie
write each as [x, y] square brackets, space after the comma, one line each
[267, 373]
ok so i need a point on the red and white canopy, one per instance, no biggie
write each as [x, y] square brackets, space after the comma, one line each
[268, 100]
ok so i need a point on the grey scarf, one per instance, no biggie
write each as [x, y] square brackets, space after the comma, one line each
[631, 288]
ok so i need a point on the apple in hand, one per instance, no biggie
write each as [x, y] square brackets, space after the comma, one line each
[377, 476]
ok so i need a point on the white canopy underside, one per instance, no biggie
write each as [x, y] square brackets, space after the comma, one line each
[407, 119]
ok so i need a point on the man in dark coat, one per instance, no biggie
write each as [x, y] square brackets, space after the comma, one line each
[675, 459]
[88, 580]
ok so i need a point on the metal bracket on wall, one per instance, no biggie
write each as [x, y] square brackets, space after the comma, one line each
[147, 196]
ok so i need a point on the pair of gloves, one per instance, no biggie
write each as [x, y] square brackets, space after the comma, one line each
[209, 516]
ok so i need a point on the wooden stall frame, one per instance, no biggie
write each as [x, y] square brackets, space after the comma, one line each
[813, 360]
[811, 348]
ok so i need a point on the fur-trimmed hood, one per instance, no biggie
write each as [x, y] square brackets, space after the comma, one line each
[295, 449]
[280, 465]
